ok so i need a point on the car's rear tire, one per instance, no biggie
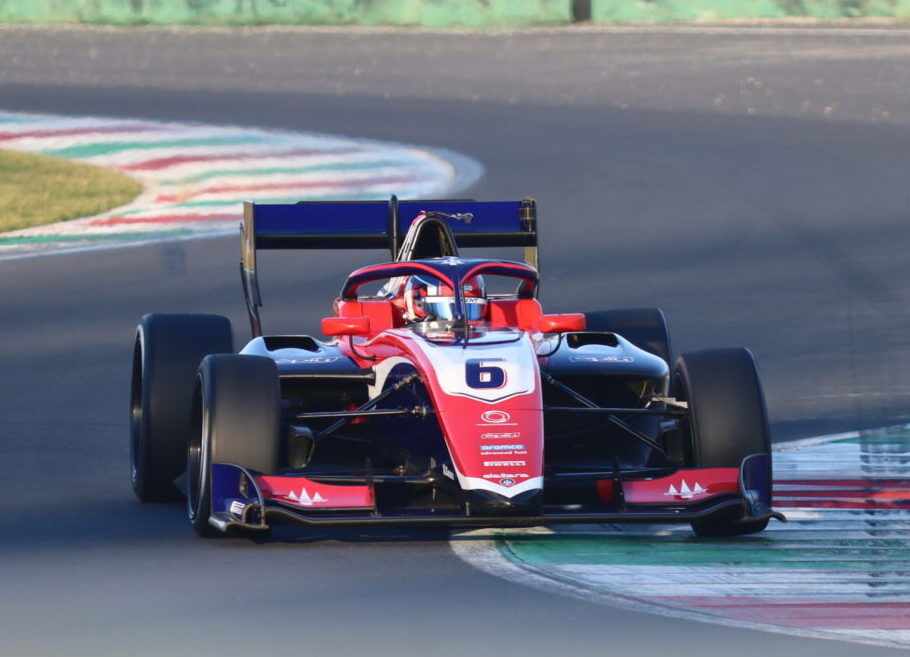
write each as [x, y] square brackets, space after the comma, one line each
[166, 355]
[646, 328]
[727, 421]
[236, 418]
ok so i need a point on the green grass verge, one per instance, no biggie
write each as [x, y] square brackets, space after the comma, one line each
[37, 190]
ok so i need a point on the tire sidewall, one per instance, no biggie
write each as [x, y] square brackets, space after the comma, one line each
[727, 416]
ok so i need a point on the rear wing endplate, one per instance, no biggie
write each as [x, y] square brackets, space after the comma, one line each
[374, 225]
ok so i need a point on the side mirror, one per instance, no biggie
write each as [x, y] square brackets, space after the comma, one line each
[346, 326]
[567, 323]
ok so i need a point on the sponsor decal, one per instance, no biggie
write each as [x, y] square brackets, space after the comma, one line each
[304, 498]
[602, 359]
[507, 482]
[511, 452]
[447, 471]
[302, 361]
[504, 464]
[684, 491]
[505, 475]
[496, 436]
[237, 508]
[495, 417]
[500, 448]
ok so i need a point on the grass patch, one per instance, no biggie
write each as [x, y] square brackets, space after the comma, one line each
[38, 189]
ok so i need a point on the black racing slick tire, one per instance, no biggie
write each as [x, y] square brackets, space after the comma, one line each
[646, 328]
[727, 421]
[236, 418]
[166, 354]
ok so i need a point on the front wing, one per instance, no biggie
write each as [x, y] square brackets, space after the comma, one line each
[245, 500]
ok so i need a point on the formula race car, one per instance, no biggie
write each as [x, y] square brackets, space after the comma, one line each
[443, 396]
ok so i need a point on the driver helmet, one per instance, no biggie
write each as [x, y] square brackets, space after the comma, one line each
[428, 298]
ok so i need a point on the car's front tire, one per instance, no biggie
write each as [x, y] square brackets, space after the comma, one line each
[166, 354]
[236, 418]
[727, 421]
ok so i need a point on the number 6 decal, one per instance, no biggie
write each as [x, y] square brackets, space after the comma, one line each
[482, 373]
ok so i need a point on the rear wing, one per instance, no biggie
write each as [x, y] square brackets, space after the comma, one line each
[374, 225]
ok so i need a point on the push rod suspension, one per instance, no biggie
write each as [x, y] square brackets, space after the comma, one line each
[367, 406]
[611, 417]
[328, 415]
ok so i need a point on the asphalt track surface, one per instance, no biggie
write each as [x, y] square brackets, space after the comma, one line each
[752, 184]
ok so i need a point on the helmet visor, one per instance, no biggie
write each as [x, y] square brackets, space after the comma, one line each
[444, 307]
[474, 308]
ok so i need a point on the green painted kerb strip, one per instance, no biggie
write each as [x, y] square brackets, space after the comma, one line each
[432, 13]
[429, 13]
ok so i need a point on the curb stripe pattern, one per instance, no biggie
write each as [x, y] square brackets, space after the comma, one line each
[195, 176]
[840, 569]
